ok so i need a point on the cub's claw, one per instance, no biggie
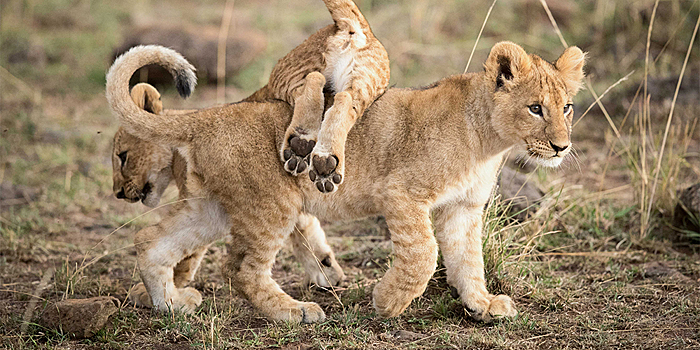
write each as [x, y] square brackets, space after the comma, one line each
[326, 274]
[324, 174]
[312, 313]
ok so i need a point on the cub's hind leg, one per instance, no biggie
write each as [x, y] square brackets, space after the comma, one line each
[156, 263]
[301, 134]
[328, 157]
[249, 264]
[370, 77]
[314, 253]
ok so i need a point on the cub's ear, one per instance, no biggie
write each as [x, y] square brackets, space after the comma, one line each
[146, 97]
[507, 62]
[570, 65]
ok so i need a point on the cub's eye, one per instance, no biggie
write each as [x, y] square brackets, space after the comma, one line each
[568, 108]
[122, 157]
[535, 110]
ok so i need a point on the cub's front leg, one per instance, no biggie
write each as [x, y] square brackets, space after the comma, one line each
[458, 230]
[158, 252]
[183, 273]
[415, 258]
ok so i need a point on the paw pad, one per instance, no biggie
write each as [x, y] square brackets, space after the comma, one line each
[324, 173]
[296, 157]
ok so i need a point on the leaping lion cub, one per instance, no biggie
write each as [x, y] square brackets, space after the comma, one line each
[415, 152]
[355, 67]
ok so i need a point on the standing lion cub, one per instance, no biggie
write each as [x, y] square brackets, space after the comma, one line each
[416, 154]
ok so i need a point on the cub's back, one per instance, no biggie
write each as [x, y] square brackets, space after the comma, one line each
[237, 144]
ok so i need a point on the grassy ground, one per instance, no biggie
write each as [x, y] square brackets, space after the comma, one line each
[580, 268]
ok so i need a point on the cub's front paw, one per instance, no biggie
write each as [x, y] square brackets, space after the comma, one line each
[312, 313]
[491, 307]
[299, 312]
[296, 153]
[185, 301]
[328, 274]
[388, 302]
[188, 301]
[139, 296]
[326, 172]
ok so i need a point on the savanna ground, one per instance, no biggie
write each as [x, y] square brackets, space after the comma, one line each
[580, 267]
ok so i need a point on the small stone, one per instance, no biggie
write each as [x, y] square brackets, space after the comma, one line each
[85, 168]
[79, 318]
[11, 194]
[406, 336]
[662, 270]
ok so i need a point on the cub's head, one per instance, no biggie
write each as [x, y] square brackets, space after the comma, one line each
[141, 170]
[533, 99]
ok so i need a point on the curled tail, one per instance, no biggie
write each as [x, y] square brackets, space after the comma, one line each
[346, 11]
[156, 128]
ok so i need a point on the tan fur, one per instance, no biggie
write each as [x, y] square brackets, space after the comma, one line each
[352, 61]
[415, 153]
[147, 162]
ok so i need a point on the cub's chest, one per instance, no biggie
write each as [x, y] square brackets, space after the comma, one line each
[474, 186]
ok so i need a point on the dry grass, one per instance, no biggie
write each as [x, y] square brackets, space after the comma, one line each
[576, 266]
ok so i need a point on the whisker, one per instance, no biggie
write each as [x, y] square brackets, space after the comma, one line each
[577, 157]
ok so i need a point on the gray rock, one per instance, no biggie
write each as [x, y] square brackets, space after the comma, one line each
[519, 195]
[520, 164]
[199, 45]
[79, 318]
[660, 269]
[688, 209]
[11, 194]
[401, 336]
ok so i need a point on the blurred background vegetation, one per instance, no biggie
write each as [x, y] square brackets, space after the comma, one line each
[56, 128]
[54, 54]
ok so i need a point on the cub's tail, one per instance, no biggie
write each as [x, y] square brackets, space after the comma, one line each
[345, 11]
[156, 128]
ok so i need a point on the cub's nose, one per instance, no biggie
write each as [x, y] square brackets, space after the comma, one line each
[120, 194]
[558, 148]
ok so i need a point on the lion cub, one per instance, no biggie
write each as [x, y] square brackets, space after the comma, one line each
[355, 66]
[142, 170]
